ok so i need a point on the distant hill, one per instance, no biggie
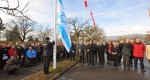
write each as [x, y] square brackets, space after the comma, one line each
[128, 36]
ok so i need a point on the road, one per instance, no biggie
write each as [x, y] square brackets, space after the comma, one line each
[99, 72]
[22, 73]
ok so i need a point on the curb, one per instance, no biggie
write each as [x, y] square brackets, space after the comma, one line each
[63, 71]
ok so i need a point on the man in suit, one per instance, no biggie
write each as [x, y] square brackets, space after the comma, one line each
[101, 51]
[47, 53]
[82, 52]
[92, 52]
[88, 52]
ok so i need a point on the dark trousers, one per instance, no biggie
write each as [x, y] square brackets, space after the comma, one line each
[72, 56]
[82, 58]
[131, 60]
[115, 60]
[126, 61]
[1, 64]
[39, 57]
[141, 62]
[101, 58]
[91, 59]
[109, 57]
[46, 64]
[11, 72]
[31, 62]
[87, 57]
[95, 55]
[119, 59]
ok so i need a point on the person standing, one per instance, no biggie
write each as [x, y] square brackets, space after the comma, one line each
[82, 52]
[131, 57]
[47, 53]
[101, 51]
[5, 55]
[138, 53]
[72, 52]
[92, 52]
[115, 52]
[148, 52]
[88, 47]
[109, 52]
[119, 54]
[126, 52]
[39, 49]
[19, 49]
[24, 51]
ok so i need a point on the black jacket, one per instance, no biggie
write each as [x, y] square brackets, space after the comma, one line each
[48, 48]
[101, 49]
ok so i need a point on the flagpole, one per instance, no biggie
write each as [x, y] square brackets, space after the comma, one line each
[55, 25]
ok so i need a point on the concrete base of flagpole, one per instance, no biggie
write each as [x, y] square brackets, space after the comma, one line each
[62, 72]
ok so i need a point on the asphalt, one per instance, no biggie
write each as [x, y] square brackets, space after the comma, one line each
[99, 72]
[22, 73]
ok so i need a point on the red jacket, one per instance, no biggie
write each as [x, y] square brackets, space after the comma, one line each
[138, 50]
[13, 52]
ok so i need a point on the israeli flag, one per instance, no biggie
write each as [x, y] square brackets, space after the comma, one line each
[62, 26]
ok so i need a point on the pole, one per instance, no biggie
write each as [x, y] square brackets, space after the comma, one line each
[84, 19]
[55, 25]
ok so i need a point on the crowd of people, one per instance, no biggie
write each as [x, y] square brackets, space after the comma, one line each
[129, 50]
[14, 56]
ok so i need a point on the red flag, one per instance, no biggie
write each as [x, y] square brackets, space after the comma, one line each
[93, 18]
[85, 3]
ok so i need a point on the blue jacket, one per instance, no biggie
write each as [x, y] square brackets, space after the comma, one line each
[31, 54]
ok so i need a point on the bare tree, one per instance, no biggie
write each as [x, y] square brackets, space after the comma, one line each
[24, 26]
[92, 33]
[14, 11]
[77, 27]
[43, 32]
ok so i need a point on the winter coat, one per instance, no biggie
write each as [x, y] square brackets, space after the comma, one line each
[48, 48]
[101, 49]
[115, 52]
[31, 54]
[13, 52]
[138, 50]
[126, 50]
[81, 49]
[148, 52]
[11, 65]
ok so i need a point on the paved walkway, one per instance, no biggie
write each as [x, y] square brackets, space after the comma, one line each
[22, 73]
[99, 72]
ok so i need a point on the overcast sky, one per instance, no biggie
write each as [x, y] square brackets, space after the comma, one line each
[114, 16]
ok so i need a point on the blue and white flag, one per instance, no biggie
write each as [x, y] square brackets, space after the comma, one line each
[62, 26]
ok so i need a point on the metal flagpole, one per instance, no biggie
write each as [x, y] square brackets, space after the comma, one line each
[55, 25]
